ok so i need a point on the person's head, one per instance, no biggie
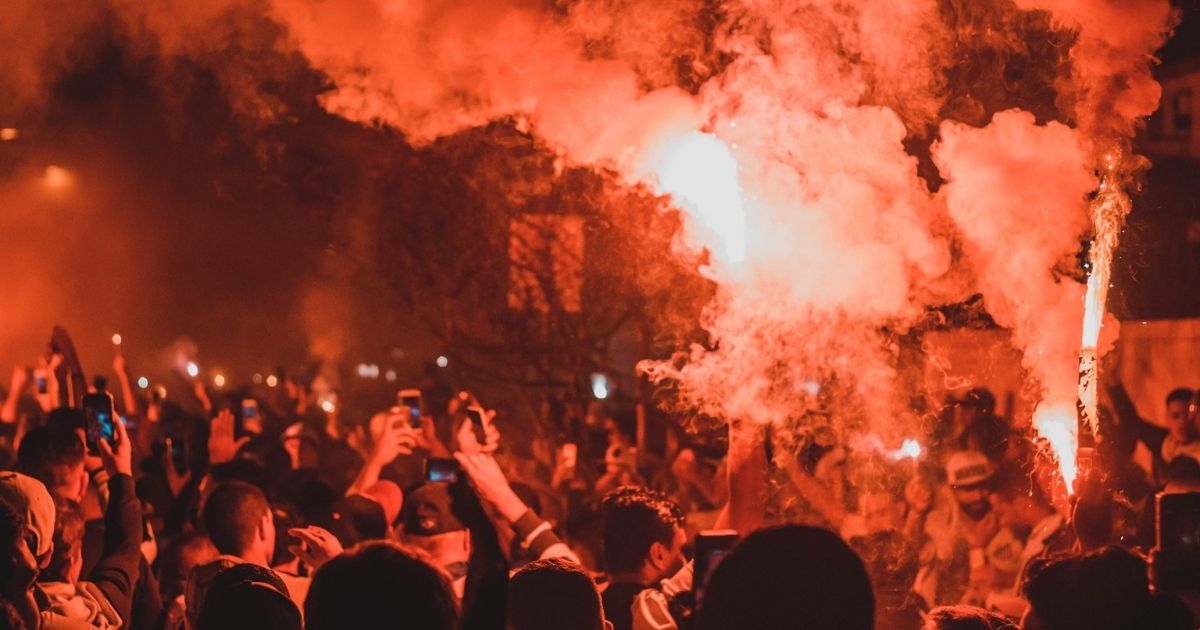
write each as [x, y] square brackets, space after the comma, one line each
[1020, 503]
[33, 502]
[554, 594]
[247, 596]
[880, 509]
[66, 561]
[1107, 589]
[969, 474]
[1177, 413]
[643, 535]
[431, 525]
[785, 577]
[53, 455]
[376, 581]
[176, 562]
[965, 618]
[18, 565]
[239, 522]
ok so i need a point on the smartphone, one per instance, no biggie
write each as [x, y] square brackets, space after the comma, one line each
[1175, 559]
[411, 398]
[99, 417]
[441, 470]
[570, 454]
[476, 416]
[1178, 521]
[39, 378]
[251, 420]
[711, 547]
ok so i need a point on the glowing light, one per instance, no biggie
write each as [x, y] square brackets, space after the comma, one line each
[1057, 424]
[257, 379]
[700, 172]
[442, 361]
[219, 380]
[599, 386]
[367, 370]
[1109, 209]
[328, 406]
[143, 382]
[193, 370]
[390, 376]
[57, 177]
[910, 449]
[8, 133]
[116, 339]
[272, 380]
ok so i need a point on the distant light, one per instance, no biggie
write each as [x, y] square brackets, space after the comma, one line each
[328, 406]
[272, 380]
[219, 380]
[257, 379]
[442, 361]
[600, 386]
[812, 388]
[8, 133]
[117, 339]
[143, 382]
[367, 370]
[390, 376]
[193, 370]
[56, 177]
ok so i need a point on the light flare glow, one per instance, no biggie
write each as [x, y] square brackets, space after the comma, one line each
[1058, 425]
[701, 173]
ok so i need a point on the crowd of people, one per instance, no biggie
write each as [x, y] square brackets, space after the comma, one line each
[264, 507]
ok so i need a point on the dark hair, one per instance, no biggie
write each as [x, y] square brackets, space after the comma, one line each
[785, 577]
[1182, 469]
[1107, 589]
[1180, 394]
[375, 581]
[66, 418]
[553, 594]
[231, 515]
[12, 532]
[68, 540]
[49, 454]
[634, 519]
[175, 563]
[965, 618]
[247, 604]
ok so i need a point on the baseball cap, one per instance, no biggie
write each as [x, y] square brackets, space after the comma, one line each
[29, 496]
[357, 518]
[428, 511]
[968, 468]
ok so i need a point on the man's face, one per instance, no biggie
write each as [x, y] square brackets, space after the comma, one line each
[973, 500]
[675, 559]
[1177, 420]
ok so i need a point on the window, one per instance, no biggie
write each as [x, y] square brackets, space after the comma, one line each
[1182, 109]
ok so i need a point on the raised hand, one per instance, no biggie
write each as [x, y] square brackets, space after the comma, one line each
[469, 443]
[221, 445]
[491, 484]
[395, 439]
[117, 457]
[314, 546]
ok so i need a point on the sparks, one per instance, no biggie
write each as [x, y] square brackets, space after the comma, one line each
[1058, 425]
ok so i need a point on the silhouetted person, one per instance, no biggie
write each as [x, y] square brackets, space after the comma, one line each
[554, 594]
[789, 577]
[380, 582]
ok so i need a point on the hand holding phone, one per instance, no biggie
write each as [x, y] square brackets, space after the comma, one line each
[411, 400]
[99, 420]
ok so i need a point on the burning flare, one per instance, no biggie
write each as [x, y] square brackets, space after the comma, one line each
[701, 173]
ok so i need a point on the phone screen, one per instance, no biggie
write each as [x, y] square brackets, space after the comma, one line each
[711, 549]
[441, 470]
[414, 406]
[249, 410]
[475, 414]
[98, 410]
[42, 383]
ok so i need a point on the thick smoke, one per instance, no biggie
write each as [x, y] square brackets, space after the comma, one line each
[840, 245]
